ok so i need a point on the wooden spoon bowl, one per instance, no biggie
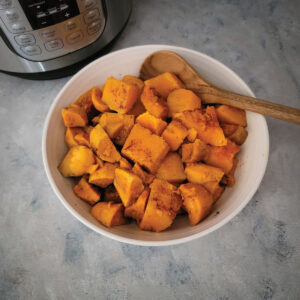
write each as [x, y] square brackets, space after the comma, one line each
[168, 61]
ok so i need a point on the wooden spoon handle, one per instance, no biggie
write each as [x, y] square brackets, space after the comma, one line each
[216, 95]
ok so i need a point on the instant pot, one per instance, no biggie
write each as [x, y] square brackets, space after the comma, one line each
[53, 38]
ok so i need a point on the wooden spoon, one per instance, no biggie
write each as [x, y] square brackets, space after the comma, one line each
[168, 61]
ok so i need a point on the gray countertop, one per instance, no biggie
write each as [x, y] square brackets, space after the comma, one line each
[45, 253]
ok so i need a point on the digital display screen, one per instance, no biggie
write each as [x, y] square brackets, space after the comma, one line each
[44, 13]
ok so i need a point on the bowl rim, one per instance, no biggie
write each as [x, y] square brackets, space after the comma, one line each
[132, 241]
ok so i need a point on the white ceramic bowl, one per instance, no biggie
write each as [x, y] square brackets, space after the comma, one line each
[253, 156]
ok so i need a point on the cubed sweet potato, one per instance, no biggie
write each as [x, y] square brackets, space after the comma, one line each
[192, 135]
[74, 116]
[86, 191]
[197, 201]
[133, 80]
[215, 189]
[137, 209]
[229, 179]
[222, 157]
[239, 136]
[171, 169]
[128, 185]
[96, 96]
[104, 176]
[163, 205]
[111, 194]
[119, 96]
[154, 104]
[181, 100]
[103, 146]
[70, 136]
[164, 83]
[109, 213]
[156, 125]
[193, 152]
[231, 115]
[145, 148]
[125, 164]
[174, 134]
[201, 173]
[146, 177]
[77, 161]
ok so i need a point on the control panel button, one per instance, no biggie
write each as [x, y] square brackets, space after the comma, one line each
[49, 33]
[88, 4]
[94, 27]
[91, 16]
[11, 15]
[32, 50]
[4, 4]
[54, 45]
[25, 39]
[18, 27]
[70, 25]
[75, 37]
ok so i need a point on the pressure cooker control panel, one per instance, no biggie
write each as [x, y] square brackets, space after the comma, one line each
[44, 29]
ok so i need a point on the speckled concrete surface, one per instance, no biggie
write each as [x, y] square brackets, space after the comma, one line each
[45, 253]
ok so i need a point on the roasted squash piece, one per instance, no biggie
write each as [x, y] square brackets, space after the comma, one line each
[128, 121]
[128, 185]
[229, 179]
[138, 108]
[171, 169]
[111, 194]
[137, 209]
[164, 83]
[239, 136]
[222, 157]
[215, 189]
[86, 191]
[74, 116]
[156, 125]
[96, 96]
[92, 168]
[192, 135]
[99, 161]
[174, 134]
[145, 148]
[193, 152]
[83, 138]
[201, 173]
[112, 123]
[103, 146]
[228, 129]
[197, 201]
[154, 104]
[133, 80]
[125, 164]
[163, 205]
[192, 119]
[146, 177]
[85, 101]
[104, 176]
[77, 161]
[119, 96]
[109, 213]
[70, 136]
[181, 100]
[231, 115]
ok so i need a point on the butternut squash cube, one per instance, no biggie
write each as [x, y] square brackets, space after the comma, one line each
[137, 209]
[156, 125]
[103, 146]
[192, 135]
[109, 213]
[104, 176]
[164, 83]
[85, 101]
[77, 161]
[229, 179]
[197, 201]
[111, 194]
[163, 205]
[83, 138]
[133, 80]
[171, 169]
[96, 96]
[112, 123]
[181, 100]
[128, 121]
[228, 129]
[239, 136]
[138, 108]
[70, 134]
[86, 191]
[92, 168]
[231, 115]
[215, 189]
[145, 148]
[201, 173]
[146, 177]
[154, 104]
[125, 164]
[193, 152]
[74, 116]
[222, 157]
[119, 96]
[128, 185]
[174, 134]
